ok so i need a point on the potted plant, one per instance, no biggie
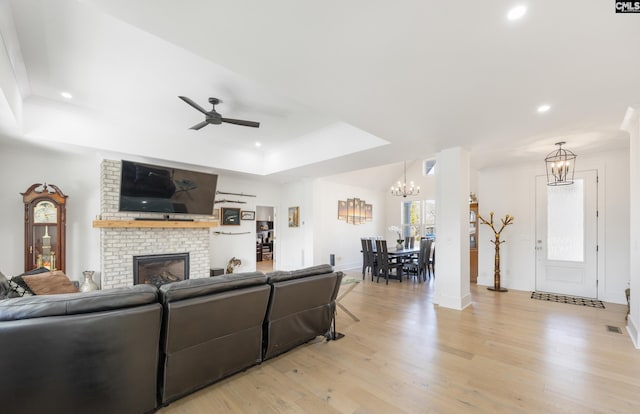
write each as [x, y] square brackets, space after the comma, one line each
[399, 240]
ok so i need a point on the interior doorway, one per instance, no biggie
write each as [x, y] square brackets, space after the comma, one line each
[567, 236]
[265, 239]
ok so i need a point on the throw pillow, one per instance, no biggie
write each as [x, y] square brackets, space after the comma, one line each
[6, 290]
[50, 283]
[21, 287]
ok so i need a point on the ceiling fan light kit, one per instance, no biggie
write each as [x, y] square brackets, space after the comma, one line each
[213, 117]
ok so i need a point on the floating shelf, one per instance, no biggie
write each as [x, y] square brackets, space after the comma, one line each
[157, 224]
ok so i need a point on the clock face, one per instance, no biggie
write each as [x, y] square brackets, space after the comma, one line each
[45, 212]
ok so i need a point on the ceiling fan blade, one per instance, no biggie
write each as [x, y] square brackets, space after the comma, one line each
[200, 125]
[241, 122]
[193, 104]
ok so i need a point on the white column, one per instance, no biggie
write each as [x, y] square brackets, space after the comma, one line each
[452, 229]
[631, 124]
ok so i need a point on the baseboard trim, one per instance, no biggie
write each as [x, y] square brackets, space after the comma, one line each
[632, 329]
[454, 302]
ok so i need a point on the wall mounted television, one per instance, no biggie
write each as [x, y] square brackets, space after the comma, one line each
[157, 189]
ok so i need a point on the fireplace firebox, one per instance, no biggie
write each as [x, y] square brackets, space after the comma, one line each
[159, 269]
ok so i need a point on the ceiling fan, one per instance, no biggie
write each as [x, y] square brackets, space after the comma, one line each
[213, 117]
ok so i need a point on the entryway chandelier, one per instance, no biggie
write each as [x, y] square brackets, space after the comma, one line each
[402, 190]
[561, 165]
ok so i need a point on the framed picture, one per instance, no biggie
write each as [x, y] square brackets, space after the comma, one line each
[248, 215]
[230, 216]
[355, 212]
[342, 210]
[350, 210]
[216, 214]
[361, 212]
[368, 208]
[294, 216]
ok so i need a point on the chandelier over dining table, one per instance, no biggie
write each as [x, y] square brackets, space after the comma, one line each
[404, 190]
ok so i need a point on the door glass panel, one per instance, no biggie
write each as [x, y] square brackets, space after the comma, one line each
[565, 222]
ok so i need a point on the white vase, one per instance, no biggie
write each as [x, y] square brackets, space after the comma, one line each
[88, 285]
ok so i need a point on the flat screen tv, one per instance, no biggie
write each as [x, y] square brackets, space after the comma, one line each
[156, 189]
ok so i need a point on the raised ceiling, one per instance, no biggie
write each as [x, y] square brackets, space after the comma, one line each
[336, 85]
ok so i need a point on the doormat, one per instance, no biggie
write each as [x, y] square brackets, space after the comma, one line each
[573, 300]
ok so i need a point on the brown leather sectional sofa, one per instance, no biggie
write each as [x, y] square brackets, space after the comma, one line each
[132, 350]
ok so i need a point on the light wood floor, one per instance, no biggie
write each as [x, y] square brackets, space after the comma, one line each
[504, 354]
[264, 266]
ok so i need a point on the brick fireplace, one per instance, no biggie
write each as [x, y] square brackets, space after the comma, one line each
[119, 245]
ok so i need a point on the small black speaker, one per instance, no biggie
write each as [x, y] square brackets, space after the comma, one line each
[332, 259]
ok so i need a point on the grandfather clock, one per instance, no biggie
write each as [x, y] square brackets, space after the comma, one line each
[44, 227]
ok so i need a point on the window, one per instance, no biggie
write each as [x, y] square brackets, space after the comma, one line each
[418, 218]
[565, 222]
[429, 167]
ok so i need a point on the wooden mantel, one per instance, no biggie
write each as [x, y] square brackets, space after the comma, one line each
[118, 224]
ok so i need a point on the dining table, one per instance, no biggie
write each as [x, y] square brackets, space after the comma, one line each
[408, 251]
[400, 255]
[403, 255]
[405, 252]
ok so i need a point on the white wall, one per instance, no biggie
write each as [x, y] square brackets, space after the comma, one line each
[77, 175]
[333, 236]
[631, 124]
[243, 246]
[511, 190]
[296, 244]
[11, 69]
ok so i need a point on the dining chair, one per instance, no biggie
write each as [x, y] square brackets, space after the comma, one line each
[426, 245]
[365, 256]
[385, 266]
[368, 257]
[372, 260]
[418, 265]
[431, 264]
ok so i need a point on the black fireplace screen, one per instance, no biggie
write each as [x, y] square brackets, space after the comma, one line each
[158, 269]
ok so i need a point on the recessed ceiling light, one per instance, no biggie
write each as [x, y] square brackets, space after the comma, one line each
[66, 95]
[258, 144]
[543, 108]
[516, 13]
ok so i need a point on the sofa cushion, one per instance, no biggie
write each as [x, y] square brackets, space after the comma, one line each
[280, 276]
[74, 303]
[192, 288]
[49, 283]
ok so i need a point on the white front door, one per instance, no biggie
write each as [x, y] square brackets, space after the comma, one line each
[566, 236]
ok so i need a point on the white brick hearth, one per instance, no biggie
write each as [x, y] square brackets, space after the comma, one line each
[119, 245]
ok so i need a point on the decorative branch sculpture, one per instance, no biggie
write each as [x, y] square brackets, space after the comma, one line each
[496, 266]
